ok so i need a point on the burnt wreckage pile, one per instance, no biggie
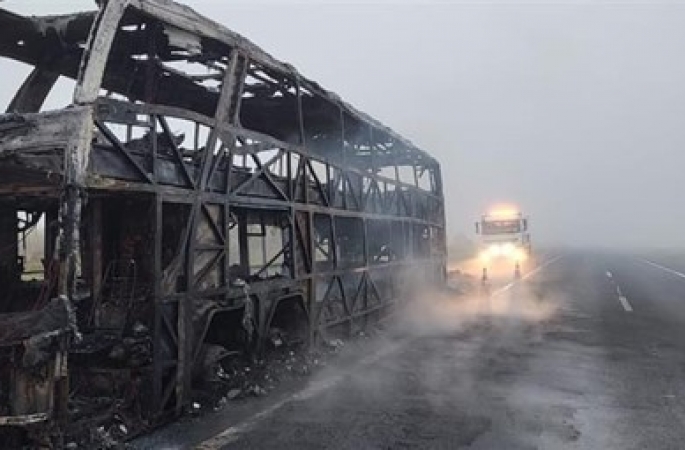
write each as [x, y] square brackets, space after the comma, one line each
[194, 198]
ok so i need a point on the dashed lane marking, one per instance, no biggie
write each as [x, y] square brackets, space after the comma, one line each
[621, 298]
[624, 302]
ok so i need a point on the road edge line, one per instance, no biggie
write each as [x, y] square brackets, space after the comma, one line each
[313, 388]
[506, 287]
[664, 268]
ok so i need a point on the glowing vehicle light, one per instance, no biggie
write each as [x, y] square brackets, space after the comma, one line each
[520, 255]
[502, 212]
[495, 250]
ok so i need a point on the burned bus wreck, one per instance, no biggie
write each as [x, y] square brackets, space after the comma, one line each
[193, 193]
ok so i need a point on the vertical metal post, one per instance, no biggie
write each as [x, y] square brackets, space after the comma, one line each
[243, 244]
[96, 265]
[158, 355]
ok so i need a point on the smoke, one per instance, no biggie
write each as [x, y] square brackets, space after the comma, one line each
[446, 313]
[499, 303]
[436, 376]
[436, 349]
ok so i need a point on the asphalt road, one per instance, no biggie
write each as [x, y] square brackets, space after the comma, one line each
[587, 352]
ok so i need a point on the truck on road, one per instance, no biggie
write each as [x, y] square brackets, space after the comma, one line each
[504, 240]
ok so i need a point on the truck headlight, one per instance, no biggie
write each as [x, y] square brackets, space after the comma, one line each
[520, 255]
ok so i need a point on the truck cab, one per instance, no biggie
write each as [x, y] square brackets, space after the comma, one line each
[504, 239]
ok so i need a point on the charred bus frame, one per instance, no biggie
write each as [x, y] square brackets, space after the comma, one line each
[195, 192]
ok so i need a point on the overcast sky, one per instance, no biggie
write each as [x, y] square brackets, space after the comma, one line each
[573, 110]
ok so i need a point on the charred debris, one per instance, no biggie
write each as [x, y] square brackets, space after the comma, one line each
[193, 201]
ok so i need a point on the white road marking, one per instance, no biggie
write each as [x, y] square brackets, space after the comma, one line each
[664, 268]
[508, 286]
[624, 302]
[503, 289]
[621, 298]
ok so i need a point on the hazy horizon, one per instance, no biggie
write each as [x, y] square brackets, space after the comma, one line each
[573, 110]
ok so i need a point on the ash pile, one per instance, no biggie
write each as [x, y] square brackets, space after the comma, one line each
[233, 376]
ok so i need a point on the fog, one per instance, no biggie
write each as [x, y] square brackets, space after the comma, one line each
[573, 110]
[429, 359]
